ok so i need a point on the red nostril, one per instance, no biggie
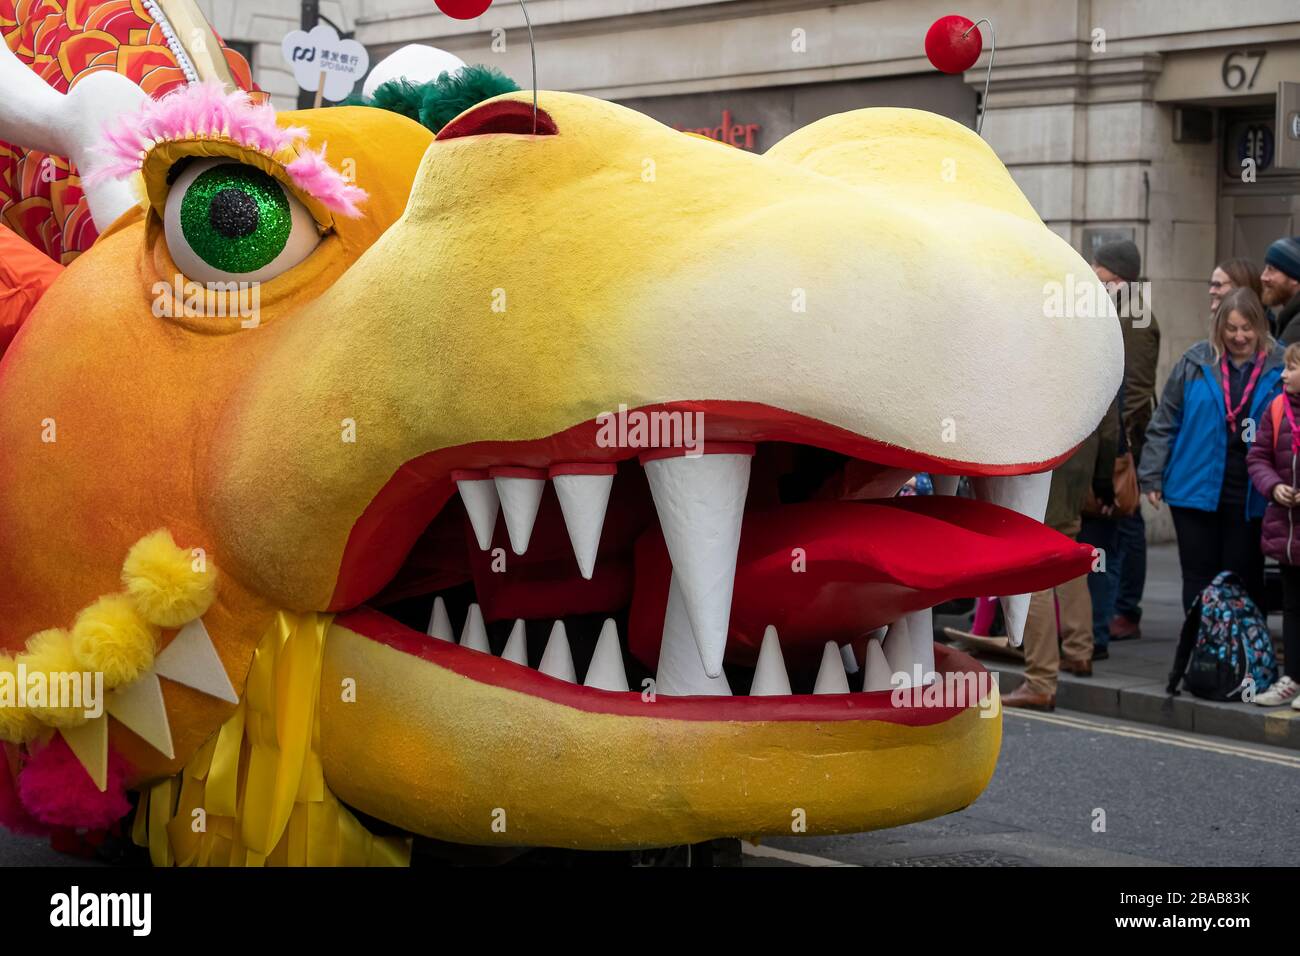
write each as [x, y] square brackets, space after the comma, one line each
[499, 116]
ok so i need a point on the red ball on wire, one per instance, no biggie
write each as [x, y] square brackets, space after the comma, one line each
[946, 46]
[463, 9]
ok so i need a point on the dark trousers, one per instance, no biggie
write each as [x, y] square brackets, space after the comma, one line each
[1214, 541]
[1102, 534]
[1129, 571]
[1290, 620]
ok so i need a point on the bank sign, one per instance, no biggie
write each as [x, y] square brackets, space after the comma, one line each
[742, 135]
[323, 63]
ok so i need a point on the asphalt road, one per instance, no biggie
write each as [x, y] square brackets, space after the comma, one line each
[1169, 799]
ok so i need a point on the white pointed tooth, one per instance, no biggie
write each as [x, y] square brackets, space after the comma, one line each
[701, 503]
[1026, 494]
[920, 634]
[1015, 608]
[474, 634]
[516, 648]
[583, 500]
[439, 623]
[520, 499]
[945, 484]
[557, 659]
[481, 503]
[879, 633]
[605, 672]
[681, 672]
[850, 659]
[831, 678]
[898, 650]
[770, 678]
[878, 671]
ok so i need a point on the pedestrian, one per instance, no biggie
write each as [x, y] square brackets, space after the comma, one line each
[1195, 456]
[1281, 281]
[1091, 467]
[1272, 463]
[1233, 274]
[1117, 595]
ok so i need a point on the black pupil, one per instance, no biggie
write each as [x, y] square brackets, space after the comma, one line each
[233, 213]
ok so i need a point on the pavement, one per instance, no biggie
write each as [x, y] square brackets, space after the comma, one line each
[1131, 683]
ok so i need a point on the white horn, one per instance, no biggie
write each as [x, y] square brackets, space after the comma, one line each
[35, 116]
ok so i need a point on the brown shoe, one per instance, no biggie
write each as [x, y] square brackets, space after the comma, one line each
[1122, 629]
[1078, 668]
[1022, 696]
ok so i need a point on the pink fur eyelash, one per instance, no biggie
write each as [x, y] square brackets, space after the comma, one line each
[205, 109]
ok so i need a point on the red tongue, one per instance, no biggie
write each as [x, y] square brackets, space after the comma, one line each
[831, 570]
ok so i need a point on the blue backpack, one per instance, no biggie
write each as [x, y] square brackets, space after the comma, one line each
[1232, 649]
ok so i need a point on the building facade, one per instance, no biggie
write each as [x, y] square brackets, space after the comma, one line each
[1156, 121]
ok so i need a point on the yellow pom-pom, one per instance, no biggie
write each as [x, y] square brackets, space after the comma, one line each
[165, 582]
[112, 636]
[50, 653]
[18, 725]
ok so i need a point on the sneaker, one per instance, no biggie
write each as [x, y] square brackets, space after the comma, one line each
[1284, 691]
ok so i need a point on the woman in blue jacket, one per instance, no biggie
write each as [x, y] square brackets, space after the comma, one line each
[1195, 455]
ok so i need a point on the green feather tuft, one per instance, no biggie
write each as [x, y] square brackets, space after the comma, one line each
[400, 96]
[453, 93]
[438, 102]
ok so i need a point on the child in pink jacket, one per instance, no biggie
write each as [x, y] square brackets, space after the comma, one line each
[1271, 462]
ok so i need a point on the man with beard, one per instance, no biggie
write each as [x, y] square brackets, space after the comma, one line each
[1281, 281]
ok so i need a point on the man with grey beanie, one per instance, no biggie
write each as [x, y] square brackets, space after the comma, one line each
[1281, 281]
[1119, 265]
[1118, 598]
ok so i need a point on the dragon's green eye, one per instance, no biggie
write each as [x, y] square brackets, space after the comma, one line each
[235, 218]
[226, 220]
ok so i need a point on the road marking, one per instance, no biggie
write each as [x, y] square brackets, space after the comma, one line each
[1161, 736]
[789, 856]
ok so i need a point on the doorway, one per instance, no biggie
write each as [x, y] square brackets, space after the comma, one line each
[1252, 214]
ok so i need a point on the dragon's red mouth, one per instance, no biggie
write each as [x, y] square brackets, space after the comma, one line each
[826, 556]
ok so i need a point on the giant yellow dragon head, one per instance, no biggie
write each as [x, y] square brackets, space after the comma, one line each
[565, 367]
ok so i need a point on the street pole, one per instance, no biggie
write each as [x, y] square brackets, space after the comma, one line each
[310, 17]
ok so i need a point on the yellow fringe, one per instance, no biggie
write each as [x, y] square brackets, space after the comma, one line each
[258, 781]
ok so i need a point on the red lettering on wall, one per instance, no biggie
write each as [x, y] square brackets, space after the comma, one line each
[740, 135]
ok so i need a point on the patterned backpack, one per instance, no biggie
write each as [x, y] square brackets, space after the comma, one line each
[1233, 649]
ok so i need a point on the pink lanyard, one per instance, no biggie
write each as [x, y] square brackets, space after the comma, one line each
[1245, 396]
[1290, 420]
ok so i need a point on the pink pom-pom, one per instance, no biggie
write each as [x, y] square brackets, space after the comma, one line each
[56, 789]
[12, 815]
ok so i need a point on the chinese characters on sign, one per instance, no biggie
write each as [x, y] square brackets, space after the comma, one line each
[324, 64]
